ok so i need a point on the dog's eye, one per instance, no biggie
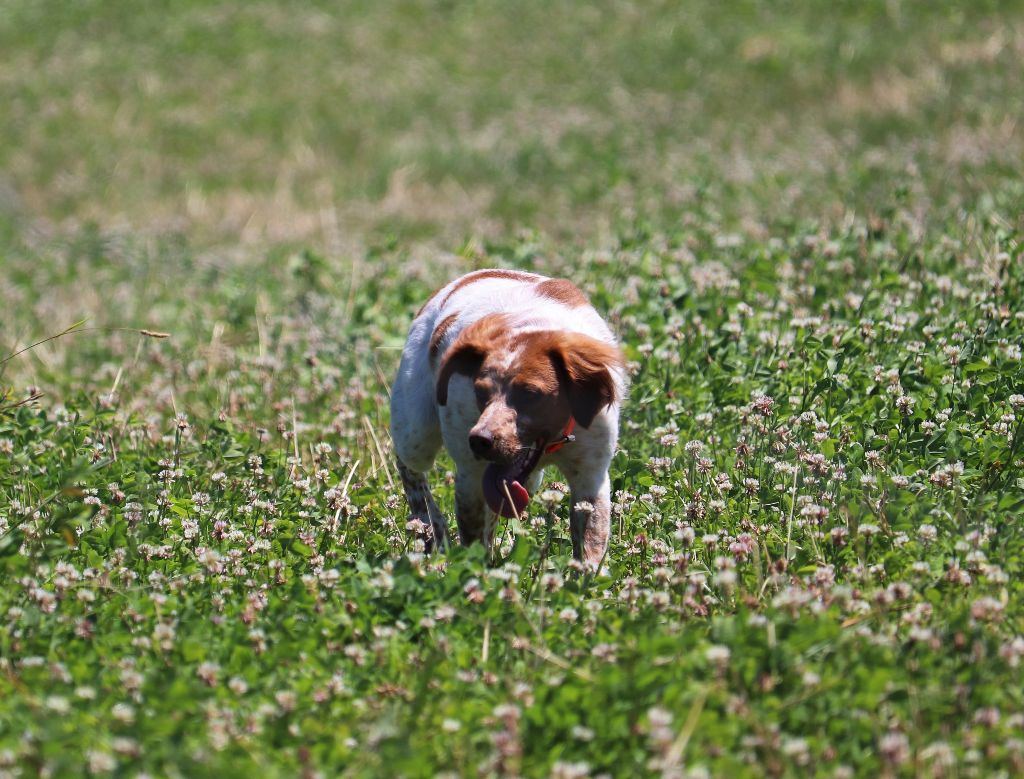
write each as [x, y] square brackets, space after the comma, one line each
[483, 394]
[530, 394]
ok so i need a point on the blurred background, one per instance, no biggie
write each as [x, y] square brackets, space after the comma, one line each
[295, 177]
[339, 124]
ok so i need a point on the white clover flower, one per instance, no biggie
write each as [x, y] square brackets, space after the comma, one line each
[100, 762]
[716, 654]
[561, 769]
[796, 748]
[660, 599]
[659, 717]
[905, 405]
[685, 535]
[123, 712]
[208, 672]
[894, 748]
[552, 582]
[986, 609]
[57, 704]
[507, 711]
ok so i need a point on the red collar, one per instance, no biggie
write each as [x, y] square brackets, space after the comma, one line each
[565, 438]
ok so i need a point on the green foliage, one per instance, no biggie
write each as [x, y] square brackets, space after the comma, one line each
[805, 225]
[814, 564]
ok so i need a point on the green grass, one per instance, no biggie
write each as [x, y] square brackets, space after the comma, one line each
[803, 221]
[318, 122]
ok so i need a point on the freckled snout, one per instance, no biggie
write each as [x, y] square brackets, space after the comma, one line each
[492, 445]
[494, 436]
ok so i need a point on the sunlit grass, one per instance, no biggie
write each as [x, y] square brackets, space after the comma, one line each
[316, 123]
[805, 226]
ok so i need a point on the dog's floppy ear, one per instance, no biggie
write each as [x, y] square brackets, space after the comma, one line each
[464, 356]
[585, 366]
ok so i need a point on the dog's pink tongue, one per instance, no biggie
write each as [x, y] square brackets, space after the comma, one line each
[495, 480]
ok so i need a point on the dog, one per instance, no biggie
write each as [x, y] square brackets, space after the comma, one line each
[511, 371]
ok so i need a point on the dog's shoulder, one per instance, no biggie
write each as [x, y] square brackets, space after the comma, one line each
[495, 301]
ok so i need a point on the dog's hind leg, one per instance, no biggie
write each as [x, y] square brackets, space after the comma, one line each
[423, 507]
[416, 433]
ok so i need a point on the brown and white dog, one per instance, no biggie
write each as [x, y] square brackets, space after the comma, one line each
[512, 372]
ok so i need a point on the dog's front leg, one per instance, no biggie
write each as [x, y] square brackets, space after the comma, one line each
[591, 519]
[422, 505]
[476, 521]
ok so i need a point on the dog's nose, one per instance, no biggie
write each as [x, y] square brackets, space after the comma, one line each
[481, 443]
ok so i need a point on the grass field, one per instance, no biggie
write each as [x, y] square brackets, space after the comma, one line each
[803, 220]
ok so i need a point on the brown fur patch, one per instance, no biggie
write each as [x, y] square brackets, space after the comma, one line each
[584, 366]
[534, 368]
[535, 391]
[439, 334]
[480, 275]
[564, 291]
[469, 350]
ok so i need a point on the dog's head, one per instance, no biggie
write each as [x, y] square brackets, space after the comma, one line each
[528, 384]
